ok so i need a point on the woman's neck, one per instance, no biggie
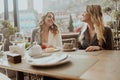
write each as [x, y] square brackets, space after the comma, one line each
[45, 28]
[91, 30]
[90, 26]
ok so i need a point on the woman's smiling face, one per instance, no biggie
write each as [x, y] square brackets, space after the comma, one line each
[49, 19]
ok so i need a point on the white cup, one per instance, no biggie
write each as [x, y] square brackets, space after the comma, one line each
[67, 46]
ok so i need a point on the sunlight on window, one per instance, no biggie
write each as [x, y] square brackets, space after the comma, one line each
[31, 11]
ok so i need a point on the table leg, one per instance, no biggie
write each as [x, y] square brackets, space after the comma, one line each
[20, 75]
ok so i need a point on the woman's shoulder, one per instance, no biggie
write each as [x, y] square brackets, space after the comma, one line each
[36, 29]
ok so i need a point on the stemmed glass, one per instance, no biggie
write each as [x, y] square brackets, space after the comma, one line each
[1, 47]
[3, 55]
[17, 38]
[12, 39]
[1, 41]
[18, 41]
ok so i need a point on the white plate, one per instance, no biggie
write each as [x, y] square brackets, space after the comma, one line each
[52, 60]
[52, 64]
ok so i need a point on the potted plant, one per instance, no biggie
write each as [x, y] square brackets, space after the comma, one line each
[8, 29]
[116, 14]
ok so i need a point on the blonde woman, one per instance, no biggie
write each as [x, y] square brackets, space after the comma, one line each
[47, 34]
[94, 35]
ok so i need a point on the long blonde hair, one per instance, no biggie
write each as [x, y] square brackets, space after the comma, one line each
[97, 20]
[53, 28]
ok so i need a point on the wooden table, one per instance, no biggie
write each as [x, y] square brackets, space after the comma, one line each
[106, 68]
[72, 70]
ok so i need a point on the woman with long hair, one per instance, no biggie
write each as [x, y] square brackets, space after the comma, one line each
[94, 35]
[47, 33]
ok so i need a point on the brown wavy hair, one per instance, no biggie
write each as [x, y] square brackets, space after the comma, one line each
[53, 28]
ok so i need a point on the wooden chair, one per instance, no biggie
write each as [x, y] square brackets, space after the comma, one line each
[68, 37]
[70, 40]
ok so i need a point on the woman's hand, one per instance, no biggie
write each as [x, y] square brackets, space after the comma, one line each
[92, 48]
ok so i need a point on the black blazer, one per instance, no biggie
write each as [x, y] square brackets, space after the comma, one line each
[107, 45]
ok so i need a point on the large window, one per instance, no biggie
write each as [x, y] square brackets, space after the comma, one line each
[66, 11]
[1, 10]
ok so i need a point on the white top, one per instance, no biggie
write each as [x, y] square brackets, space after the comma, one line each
[55, 40]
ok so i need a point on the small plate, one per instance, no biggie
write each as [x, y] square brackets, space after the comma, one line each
[50, 51]
[67, 50]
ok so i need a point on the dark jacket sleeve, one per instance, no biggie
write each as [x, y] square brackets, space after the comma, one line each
[109, 39]
[33, 36]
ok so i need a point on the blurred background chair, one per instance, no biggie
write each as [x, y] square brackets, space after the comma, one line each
[70, 40]
[68, 37]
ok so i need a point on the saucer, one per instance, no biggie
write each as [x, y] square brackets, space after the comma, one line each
[68, 50]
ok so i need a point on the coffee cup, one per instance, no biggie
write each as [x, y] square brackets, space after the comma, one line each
[67, 46]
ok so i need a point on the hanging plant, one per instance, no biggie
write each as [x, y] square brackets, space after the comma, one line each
[116, 15]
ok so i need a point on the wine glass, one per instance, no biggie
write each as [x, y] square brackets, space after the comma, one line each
[18, 42]
[19, 37]
[12, 39]
[1, 41]
[1, 47]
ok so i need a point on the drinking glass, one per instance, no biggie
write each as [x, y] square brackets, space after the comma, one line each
[19, 37]
[12, 39]
[1, 41]
[1, 47]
